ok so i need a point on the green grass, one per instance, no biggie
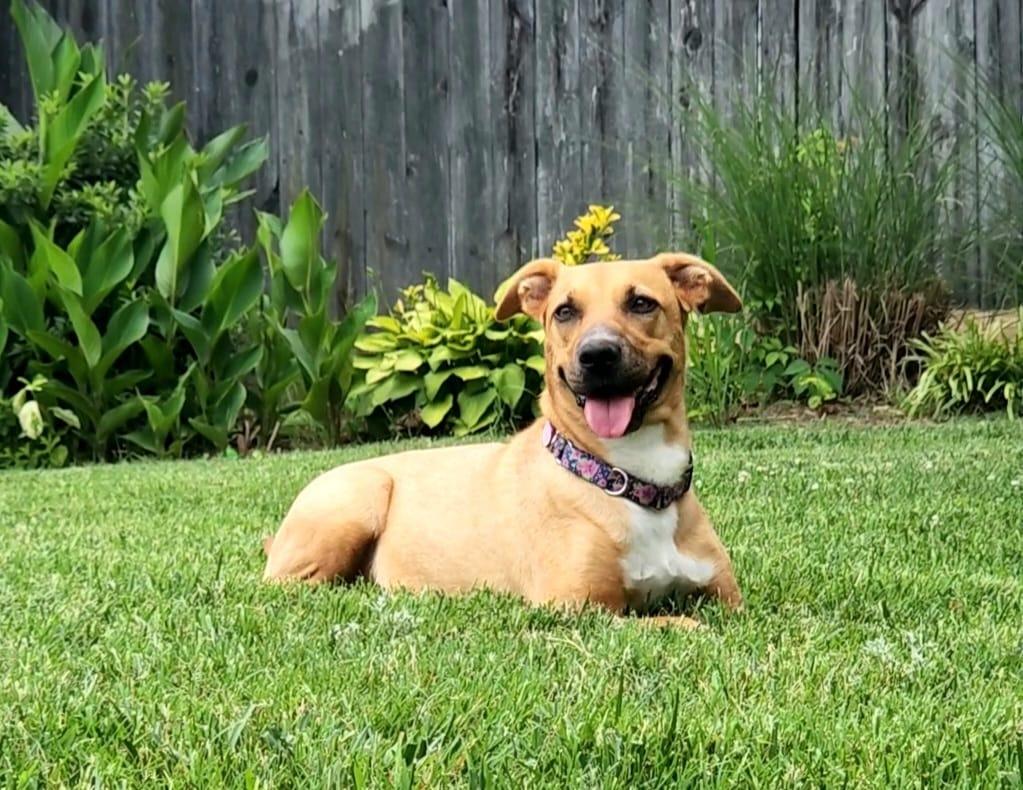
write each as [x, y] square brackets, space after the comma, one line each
[883, 642]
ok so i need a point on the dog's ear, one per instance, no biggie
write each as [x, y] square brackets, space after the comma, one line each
[527, 290]
[698, 285]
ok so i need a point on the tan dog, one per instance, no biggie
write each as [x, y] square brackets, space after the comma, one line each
[511, 516]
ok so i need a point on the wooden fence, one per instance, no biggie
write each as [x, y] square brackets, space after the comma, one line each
[462, 136]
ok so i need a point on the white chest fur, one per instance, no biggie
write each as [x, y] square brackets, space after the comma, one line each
[652, 566]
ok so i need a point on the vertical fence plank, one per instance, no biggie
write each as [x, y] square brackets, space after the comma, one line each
[735, 55]
[842, 58]
[778, 50]
[388, 259]
[943, 39]
[1000, 79]
[559, 153]
[471, 162]
[234, 82]
[343, 171]
[693, 84]
[300, 127]
[427, 79]
[601, 66]
[647, 130]
[513, 68]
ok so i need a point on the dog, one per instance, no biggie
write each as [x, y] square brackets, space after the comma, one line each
[591, 504]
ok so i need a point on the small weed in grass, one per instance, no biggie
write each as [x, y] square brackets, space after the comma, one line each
[882, 644]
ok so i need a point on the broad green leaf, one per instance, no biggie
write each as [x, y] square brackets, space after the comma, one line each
[471, 372]
[3, 328]
[22, 309]
[89, 340]
[537, 363]
[242, 363]
[49, 257]
[398, 386]
[433, 413]
[245, 161]
[300, 242]
[63, 132]
[66, 416]
[171, 124]
[408, 360]
[146, 439]
[10, 243]
[184, 218]
[225, 411]
[472, 406]
[126, 326]
[37, 45]
[380, 372]
[350, 328]
[199, 273]
[307, 362]
[111, 264]
[116, 417]
[376, 343]
[510, 383]
[235, 290]
[193, 330]
[218, 149]
[433, 381]
[214, 434]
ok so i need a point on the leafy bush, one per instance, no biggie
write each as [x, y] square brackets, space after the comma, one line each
[302, 340]
[794, 210]
[969, 369]
[731, 369]
[440, 360]
[123, 288]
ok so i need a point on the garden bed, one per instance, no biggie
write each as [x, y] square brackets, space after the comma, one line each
[881, 645]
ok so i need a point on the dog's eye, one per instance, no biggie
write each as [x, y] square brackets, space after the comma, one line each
[564, 313]
[642, 304]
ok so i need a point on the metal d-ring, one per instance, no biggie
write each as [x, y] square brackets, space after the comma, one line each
[625, 482]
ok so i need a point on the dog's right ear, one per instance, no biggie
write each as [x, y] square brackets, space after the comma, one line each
[527, 290]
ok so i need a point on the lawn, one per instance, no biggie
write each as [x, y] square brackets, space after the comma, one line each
[882, 644]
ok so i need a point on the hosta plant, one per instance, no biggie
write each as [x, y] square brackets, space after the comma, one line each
[442, 358]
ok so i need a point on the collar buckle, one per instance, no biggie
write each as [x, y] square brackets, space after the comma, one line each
[618, 490]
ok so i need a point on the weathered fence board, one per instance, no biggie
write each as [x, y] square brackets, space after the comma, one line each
[462, 136]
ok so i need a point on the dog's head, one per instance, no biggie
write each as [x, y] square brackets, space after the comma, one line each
[615, 348]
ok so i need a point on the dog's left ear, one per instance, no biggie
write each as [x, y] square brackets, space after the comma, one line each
[698, 285]
[527, 290]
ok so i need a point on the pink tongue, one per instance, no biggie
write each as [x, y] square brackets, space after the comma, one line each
[610, 418]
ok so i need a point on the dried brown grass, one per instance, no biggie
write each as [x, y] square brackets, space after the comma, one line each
[867, 330]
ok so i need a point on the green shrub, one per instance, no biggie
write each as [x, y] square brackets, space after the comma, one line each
[301, 340]
[441, 361]
[969, 369]
[795, 209]
[121, 285]
[731, 369]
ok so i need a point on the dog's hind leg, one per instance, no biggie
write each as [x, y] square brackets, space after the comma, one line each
[331, 528]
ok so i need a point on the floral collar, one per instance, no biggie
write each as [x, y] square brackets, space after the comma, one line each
[610, 479]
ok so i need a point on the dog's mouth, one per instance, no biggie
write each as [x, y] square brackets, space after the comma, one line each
[613, 416]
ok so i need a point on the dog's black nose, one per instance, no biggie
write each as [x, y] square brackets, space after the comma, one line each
[600, 355]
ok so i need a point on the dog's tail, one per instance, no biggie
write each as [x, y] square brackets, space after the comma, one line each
[268, 541]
